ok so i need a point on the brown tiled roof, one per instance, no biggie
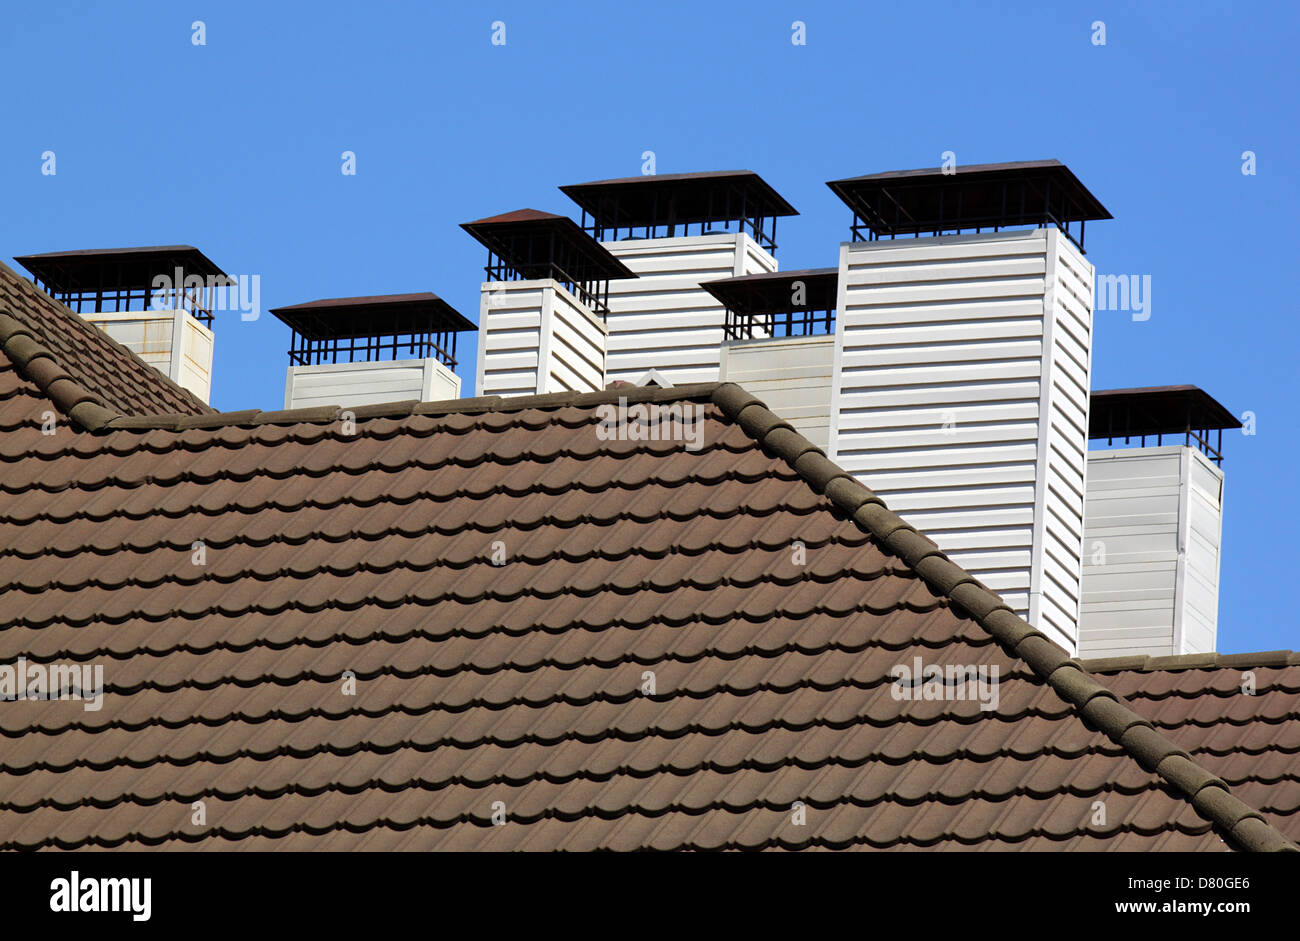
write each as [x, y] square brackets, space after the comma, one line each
[1200, 702]
[365, 543]
[75, 363]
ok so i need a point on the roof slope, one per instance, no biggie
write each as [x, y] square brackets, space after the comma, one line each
[75, 362]
[1251, 740]
[329, 548]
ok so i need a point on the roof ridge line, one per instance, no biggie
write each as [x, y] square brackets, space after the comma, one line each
[1144, 663]
[1068, 677]
[38, 364]
[327, 414]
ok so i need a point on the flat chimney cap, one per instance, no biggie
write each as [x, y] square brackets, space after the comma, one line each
[987, 195]
[343, 318]
[90, 270]
[535, 243]
[1157, 410]
[773, 292]
[658, 199]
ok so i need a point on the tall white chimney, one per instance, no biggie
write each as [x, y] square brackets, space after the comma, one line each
[962, 362]
[543, 306]
[676, 231]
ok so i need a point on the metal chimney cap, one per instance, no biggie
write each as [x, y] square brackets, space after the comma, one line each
[89, 270]
[374, 316]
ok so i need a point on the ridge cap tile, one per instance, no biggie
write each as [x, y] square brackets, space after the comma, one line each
[316, 414]
[163, 422]
[1143, 663]
[218, 419]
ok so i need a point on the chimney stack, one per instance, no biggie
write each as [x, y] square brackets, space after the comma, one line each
[1153, 523]
[157, 302]
[779, 342]
[543, 306]
[675, 231]
[963, 352]
[352, 351]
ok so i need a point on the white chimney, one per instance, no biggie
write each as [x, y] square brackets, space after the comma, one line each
[676, 231]
[542, 309]
[353, 351]
[1153, 523]
[157, 302]
[779, 343]
[962, 366]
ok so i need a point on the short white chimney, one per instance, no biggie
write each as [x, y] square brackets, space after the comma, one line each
[962, 366]
[352, 351]
[158, 302]
[543, 306]
[779, 343]
[1153, 523]
[676, 231]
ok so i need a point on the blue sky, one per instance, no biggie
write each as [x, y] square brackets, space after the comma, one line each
[235, 147]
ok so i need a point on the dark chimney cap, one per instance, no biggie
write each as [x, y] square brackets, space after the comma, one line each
[977, 196]
[383, 315]
[1159, 411]
[1155, 410]
[539, 244]
[680, 198]
[754, 295]
[91, 270]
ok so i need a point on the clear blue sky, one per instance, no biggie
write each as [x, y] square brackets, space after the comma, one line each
[235, 147]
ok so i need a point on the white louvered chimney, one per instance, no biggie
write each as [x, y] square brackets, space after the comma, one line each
[676, 231]
[158, 302]
[1153, 523]
[543, 306]
[962, 366]
[353, 351]
[779, 343]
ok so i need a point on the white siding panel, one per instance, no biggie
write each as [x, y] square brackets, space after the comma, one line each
[949, 331]
[1063, 463]
[172, 341]
[1155, 512]
[949, 404]
[685, 347]
[509, 337]
[999, 525]
[973, 311]
[940, 394]
[576, 354]
[951, 477]
[927, 415]
[857, 378]
[194, 368]
[975, 459]
[1204, 535]
[535, 337]
[791, 374]
[353, 384]
[871, 356]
